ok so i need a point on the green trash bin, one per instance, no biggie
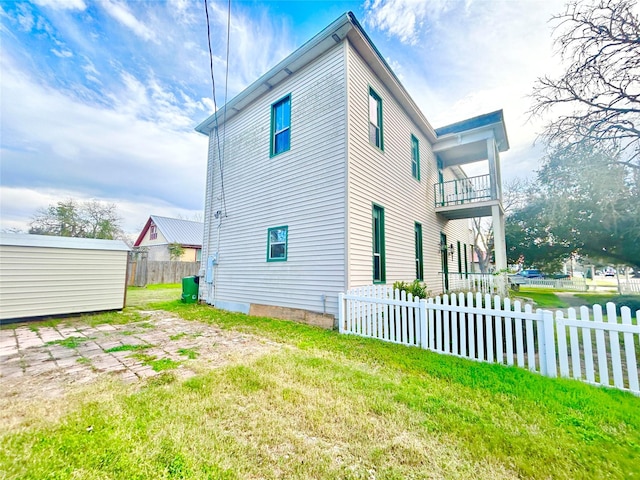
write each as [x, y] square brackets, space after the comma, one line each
[190, 289]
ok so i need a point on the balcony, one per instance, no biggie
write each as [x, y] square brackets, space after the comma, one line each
[466, 198]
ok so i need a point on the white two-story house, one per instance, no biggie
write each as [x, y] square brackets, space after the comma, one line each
[324, 175]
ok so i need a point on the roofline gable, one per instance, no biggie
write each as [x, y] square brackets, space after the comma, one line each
[143, 233]
[345, 26]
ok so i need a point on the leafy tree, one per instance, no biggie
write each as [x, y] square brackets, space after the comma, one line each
[175, 251]
[582, 202]
[596, 101]
[91, 219]
[514, 194]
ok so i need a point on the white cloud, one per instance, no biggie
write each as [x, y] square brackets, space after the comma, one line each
[62, 53]
[254, 47]
[122, 14]
[404, 19]
[20, 204]
[465, 63]
[62, 4]
[54, 141]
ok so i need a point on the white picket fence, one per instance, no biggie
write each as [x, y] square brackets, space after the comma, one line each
[472, 282]
[630, 285]
[579, 284]
[491, 329]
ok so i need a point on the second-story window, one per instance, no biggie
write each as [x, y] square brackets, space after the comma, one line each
[153, 232]
[281, 125]
[415, 158]
[375, 119]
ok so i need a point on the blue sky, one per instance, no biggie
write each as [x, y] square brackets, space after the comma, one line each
[98, 100]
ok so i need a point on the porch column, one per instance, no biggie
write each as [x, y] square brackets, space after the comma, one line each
[500, 248]
[493, 169]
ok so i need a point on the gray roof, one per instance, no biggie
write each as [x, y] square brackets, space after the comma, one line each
[51, 241]
[184, 232]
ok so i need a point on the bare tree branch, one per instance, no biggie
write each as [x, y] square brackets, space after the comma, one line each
[597, 99]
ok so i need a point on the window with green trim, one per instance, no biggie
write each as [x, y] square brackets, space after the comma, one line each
[375, 119]
[379, 274]
[417, 230]
[415, 158]
[281, 125]
[277, 238]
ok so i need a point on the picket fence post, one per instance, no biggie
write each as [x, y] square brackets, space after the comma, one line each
[341, 313]
[549, 344]
[423, 323]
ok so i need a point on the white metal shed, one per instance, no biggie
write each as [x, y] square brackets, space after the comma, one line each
[44, 275]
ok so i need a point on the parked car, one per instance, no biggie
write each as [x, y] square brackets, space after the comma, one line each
[560, 276]
[609, 272]
[531, 273]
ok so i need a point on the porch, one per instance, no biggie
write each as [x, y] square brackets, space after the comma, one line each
[468, 197]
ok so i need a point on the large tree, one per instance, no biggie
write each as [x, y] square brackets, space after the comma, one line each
[596, 101]
[91, 219]
[583, 202]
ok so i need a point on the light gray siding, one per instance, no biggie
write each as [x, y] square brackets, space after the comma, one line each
[42, 281]
[384, 178]
[303, 188]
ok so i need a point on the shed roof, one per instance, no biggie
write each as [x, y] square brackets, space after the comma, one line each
[51, 241]
[175, 230]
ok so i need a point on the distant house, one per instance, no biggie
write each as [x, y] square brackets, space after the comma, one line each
[160, 232]
[334, 179]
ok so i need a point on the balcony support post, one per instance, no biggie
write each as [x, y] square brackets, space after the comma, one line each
[500, 248]
[493, 167]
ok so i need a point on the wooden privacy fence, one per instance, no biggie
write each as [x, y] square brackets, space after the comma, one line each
[142, 272]
[591, 346]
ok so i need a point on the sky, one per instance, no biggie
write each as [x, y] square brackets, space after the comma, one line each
[99, 100]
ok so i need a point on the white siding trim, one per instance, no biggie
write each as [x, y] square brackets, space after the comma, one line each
[303, 188]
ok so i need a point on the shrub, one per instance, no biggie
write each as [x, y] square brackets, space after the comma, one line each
[415, 288]
[631, 301]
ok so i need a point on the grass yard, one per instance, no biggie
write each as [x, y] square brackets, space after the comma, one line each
[542, 297]
[142, 296]
[329, 406]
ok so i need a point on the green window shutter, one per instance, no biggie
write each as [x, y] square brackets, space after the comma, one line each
[375, 120]
[415, 158]
[379, 267]
[418, 242]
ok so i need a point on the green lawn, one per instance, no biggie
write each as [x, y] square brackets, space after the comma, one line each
[331, 406]
[142, 296]
[542, 297]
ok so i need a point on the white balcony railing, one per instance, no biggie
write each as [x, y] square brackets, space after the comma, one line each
[461, 191]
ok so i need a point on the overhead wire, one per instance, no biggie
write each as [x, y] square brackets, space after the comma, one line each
[224, 115]
[223, 203]
[215, 105]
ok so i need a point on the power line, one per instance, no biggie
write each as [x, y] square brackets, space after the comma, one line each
[215, 106]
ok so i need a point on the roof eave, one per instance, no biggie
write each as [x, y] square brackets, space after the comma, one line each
[315, 47]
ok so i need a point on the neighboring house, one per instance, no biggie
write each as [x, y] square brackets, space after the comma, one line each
[332, 178]
[160, 232]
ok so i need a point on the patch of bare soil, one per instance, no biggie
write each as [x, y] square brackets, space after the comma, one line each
[48, 363]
